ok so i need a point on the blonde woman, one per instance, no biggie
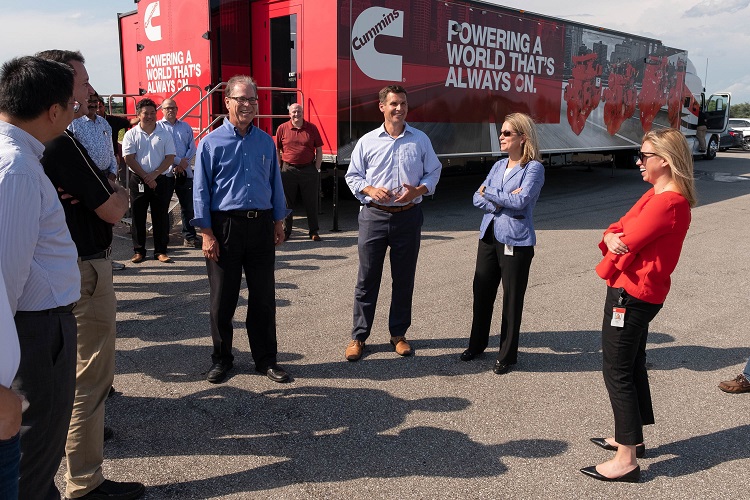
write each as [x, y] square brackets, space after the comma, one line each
[640, 252]
[506, 239]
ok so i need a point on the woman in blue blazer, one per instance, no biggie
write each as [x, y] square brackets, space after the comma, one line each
[506, 238]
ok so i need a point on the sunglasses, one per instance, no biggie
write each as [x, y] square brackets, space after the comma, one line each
[508, 133]
[642, 156]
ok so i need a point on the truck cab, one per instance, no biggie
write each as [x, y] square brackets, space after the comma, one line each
[716, 110]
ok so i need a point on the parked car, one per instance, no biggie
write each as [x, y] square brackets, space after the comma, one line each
[731, 139]
[740, 124]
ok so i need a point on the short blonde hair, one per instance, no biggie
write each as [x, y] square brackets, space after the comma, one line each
[672, 146]
[524, 125]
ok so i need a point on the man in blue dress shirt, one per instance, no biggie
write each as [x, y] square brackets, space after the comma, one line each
[239, 205]
[181, 169]
[391, 168]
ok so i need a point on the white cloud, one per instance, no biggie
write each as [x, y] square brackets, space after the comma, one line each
[715, 7]
[27, 32]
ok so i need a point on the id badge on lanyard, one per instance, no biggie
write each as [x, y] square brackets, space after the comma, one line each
[618, 312]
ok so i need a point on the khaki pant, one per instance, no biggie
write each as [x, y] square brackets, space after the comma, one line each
[95, 314]
[700, 134]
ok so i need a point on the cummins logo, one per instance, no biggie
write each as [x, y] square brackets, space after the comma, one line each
[152, 32]
[369, 25]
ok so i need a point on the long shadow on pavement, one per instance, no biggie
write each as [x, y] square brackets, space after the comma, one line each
[699, 453]
[323, 434]
[187, 363]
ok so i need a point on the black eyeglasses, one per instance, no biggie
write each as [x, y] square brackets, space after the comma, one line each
[244, 100]
[168, 108]
[642, 156]
[508, 133]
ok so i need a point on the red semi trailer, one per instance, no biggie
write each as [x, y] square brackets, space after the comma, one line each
[466, 64]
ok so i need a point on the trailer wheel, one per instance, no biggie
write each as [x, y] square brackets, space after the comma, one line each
[713, 146]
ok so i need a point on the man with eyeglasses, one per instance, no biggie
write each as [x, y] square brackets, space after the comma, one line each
[181, 169]
[391, 169]
[149, 152]
[239, 205]
[35, 245]
[301, 149]
[100, 203]
[95, 134]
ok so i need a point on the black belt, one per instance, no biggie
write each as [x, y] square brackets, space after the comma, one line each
[101, 255]
[301, 165]
[247, 214]
[45, 312]
[392, 209]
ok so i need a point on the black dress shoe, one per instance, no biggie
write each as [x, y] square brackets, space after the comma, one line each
[275, 373]
[111, 392]
[218, 372]
[114, 490]
[640, 449]
[501, 367]
[468, 355]
[108, 433]
[631, 477]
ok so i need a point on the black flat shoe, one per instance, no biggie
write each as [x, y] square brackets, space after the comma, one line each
[631, 477]
[468, 355]
[218, 372]
[501, 367]
[276, 373]
[640, 449]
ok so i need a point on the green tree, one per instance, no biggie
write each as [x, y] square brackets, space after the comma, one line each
[741, 110]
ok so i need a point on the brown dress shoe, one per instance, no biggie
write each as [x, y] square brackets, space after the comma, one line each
[315, 237]
[162, 257]
[354, 350]
[401, 346]
[137, 258]
[735, 386]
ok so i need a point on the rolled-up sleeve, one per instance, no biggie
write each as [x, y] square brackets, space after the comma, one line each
[202, 187]
[356, 176]
[278, 201]
[432, 167]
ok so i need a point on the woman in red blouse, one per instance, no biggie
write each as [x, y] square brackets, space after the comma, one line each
[640, 252]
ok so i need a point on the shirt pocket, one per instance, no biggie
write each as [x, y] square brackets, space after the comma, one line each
[259, 169]
[409, 153]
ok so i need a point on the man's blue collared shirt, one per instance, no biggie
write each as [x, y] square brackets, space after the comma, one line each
[234, 172]
[380, 160]
[184, 143]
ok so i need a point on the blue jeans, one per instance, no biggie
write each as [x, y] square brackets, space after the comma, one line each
[746, 373]
[10, 458]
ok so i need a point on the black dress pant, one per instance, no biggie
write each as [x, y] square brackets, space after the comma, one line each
[244, 244]
[302, 180]
[378, 230]
[158, 199]
[183, 188]
[47, 377]
[624, 365]
[492, 268]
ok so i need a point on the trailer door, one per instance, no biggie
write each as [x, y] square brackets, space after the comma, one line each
[276, 59]
[717, 112]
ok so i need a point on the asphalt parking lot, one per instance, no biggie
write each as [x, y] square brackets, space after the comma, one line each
[431, 426]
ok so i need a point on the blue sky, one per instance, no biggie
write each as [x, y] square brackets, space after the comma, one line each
[716, 30]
